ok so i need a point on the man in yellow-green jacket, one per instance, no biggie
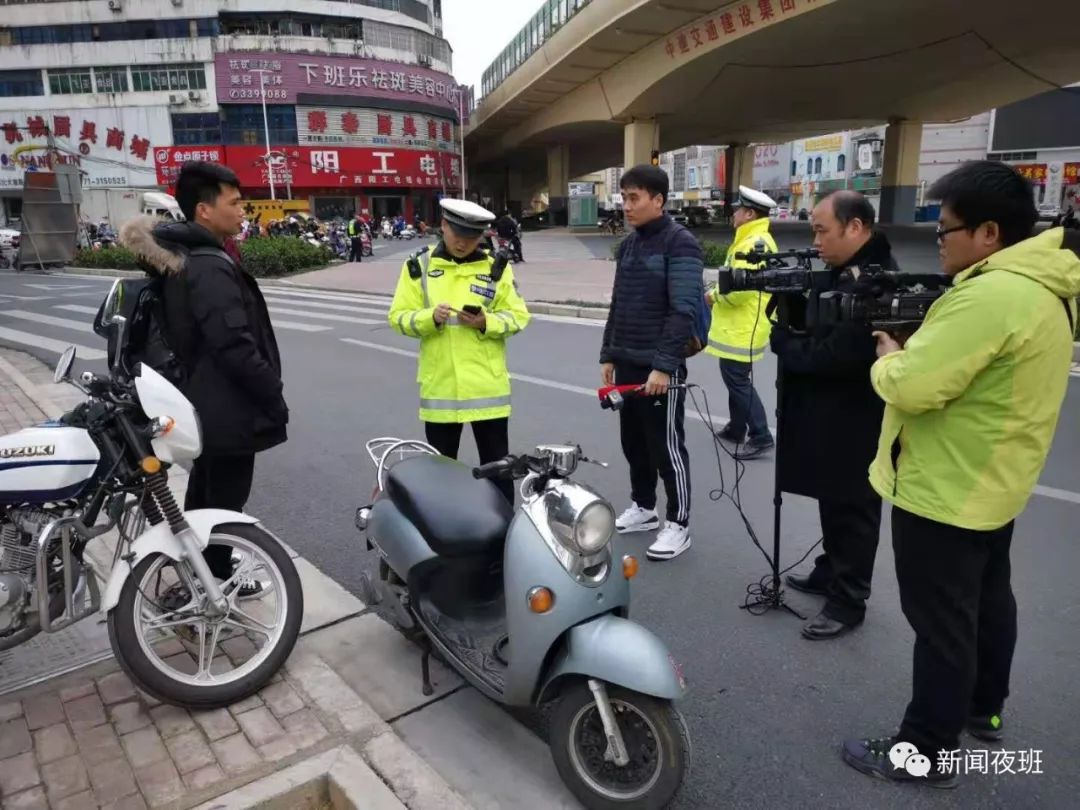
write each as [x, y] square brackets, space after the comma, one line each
[463, 305]
[740, 329]
[972, 400]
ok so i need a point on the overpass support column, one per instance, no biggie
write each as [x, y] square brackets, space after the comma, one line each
[738, 171]
[640, 138]
[900, 172]
[558, 164]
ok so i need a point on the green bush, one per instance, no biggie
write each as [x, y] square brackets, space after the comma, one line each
[113, 258]
[715, 252]
[282, 255]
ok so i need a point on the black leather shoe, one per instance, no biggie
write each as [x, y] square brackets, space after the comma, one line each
[821, 627]
[805, 584]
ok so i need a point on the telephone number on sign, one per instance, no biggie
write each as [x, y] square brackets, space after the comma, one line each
[254, 92]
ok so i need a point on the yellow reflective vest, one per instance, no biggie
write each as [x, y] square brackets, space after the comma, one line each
[462, 371]
[740, 329]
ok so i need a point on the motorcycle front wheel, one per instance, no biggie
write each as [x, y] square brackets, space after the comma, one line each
[167, 643]
[657, 744]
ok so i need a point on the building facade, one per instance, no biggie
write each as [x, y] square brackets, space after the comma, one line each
[361, 107]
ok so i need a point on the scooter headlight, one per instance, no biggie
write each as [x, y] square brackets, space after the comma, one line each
[594, 527]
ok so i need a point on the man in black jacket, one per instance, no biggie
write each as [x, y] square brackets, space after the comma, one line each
[658, 287]
[830, 421]
[219, 326]
[507, 228]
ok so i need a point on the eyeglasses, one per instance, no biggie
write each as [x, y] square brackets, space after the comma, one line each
[943, 232]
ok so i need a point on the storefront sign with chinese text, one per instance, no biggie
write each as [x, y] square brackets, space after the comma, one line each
[169, 159]
[240, 77]
[111, 146]
[1036, 172]
[327, 167]
[356, 126]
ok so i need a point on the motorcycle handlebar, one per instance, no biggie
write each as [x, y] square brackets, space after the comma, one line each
[494, 469]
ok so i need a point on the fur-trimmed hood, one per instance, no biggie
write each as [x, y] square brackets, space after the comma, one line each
[161, 247]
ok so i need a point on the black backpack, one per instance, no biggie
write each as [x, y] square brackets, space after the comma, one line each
[148, 338]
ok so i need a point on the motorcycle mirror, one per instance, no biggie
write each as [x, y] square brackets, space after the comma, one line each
[113, 302]
[63, 367]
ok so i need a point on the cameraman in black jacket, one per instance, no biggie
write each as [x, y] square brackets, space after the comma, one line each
[831, 418]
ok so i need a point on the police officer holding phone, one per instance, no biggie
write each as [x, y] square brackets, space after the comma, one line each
[462, 304]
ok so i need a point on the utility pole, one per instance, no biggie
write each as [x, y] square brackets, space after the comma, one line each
[266, 128]
[461, 133]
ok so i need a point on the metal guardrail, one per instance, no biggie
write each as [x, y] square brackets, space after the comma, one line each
[552, 15]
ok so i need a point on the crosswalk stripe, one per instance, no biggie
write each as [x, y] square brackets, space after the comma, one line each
[50, 287]
[356, 298]
[77, 308]
[57, 346]
[322, 316]
[300, 327]
[49, 320]
[321, 305]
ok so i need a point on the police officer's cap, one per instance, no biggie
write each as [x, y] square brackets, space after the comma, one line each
[749, 198]
[466, 218]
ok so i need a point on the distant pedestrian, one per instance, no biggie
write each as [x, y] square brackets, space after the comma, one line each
[658, 291]
[356, 242]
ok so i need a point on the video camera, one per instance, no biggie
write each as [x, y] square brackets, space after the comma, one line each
[885, 300]
[787, 272]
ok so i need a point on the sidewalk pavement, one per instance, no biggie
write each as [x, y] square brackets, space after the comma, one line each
[318, 735]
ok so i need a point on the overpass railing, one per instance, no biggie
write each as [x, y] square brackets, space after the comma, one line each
[549, 19]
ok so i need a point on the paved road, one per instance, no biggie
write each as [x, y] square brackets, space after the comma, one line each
[767, 709]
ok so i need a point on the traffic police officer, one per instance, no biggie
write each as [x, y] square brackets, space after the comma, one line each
[463, 304]
[740, 328]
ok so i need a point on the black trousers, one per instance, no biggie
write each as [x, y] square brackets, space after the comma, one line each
[220, 482]
[515, 242]
[492, 443]
[653, 434]
[850, 532]
[744, 404]
[956, 592]
[356, 249]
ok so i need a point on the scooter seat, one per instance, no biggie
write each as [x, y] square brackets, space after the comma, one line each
[458, 515]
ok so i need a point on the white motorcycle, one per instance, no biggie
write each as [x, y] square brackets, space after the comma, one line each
[181, 634]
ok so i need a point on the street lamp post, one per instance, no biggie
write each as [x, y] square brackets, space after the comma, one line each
[266, 128]
[461, 133]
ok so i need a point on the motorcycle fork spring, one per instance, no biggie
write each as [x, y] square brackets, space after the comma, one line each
[158, 485]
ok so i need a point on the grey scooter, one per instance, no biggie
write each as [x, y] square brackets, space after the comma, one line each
[531, 608]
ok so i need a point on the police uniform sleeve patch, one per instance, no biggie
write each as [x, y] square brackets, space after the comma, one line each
[487, 292]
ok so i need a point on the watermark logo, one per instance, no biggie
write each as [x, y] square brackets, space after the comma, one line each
[905, 756]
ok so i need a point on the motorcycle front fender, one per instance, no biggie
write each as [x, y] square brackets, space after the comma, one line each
[619, 652]
[160, 540]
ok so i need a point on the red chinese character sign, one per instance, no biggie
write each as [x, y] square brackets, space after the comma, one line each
[333, 167]
[731, 22]
[110, 145]
[356, 126]
[169, 159]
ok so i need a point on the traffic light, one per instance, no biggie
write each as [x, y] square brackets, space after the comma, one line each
[655, 160]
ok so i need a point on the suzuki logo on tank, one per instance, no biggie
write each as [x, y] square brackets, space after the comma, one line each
[320, 167]
[352, 126]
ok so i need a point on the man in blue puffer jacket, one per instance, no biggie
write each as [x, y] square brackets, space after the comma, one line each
[658, 288]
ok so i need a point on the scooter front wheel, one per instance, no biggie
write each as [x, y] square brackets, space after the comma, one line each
[657, 746]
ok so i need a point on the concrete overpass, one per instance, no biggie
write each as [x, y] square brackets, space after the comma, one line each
[619, 78]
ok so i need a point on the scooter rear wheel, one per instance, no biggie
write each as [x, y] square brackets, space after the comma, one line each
[657, 744]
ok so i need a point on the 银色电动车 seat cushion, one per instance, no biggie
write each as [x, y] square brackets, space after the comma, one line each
[457, 514]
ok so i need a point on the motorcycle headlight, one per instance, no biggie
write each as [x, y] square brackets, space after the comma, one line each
[594, 528]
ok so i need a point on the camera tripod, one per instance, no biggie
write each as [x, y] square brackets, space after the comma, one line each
[771, 597]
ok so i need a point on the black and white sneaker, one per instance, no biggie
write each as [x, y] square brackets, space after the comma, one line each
[636, 519]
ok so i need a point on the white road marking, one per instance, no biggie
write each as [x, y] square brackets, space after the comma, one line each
[57, 346]
[322, 316]
[718, 420]
[50, 287]
[321, 305]
[300, 327]
[77, 308]
[356, 298]
[49, 320]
